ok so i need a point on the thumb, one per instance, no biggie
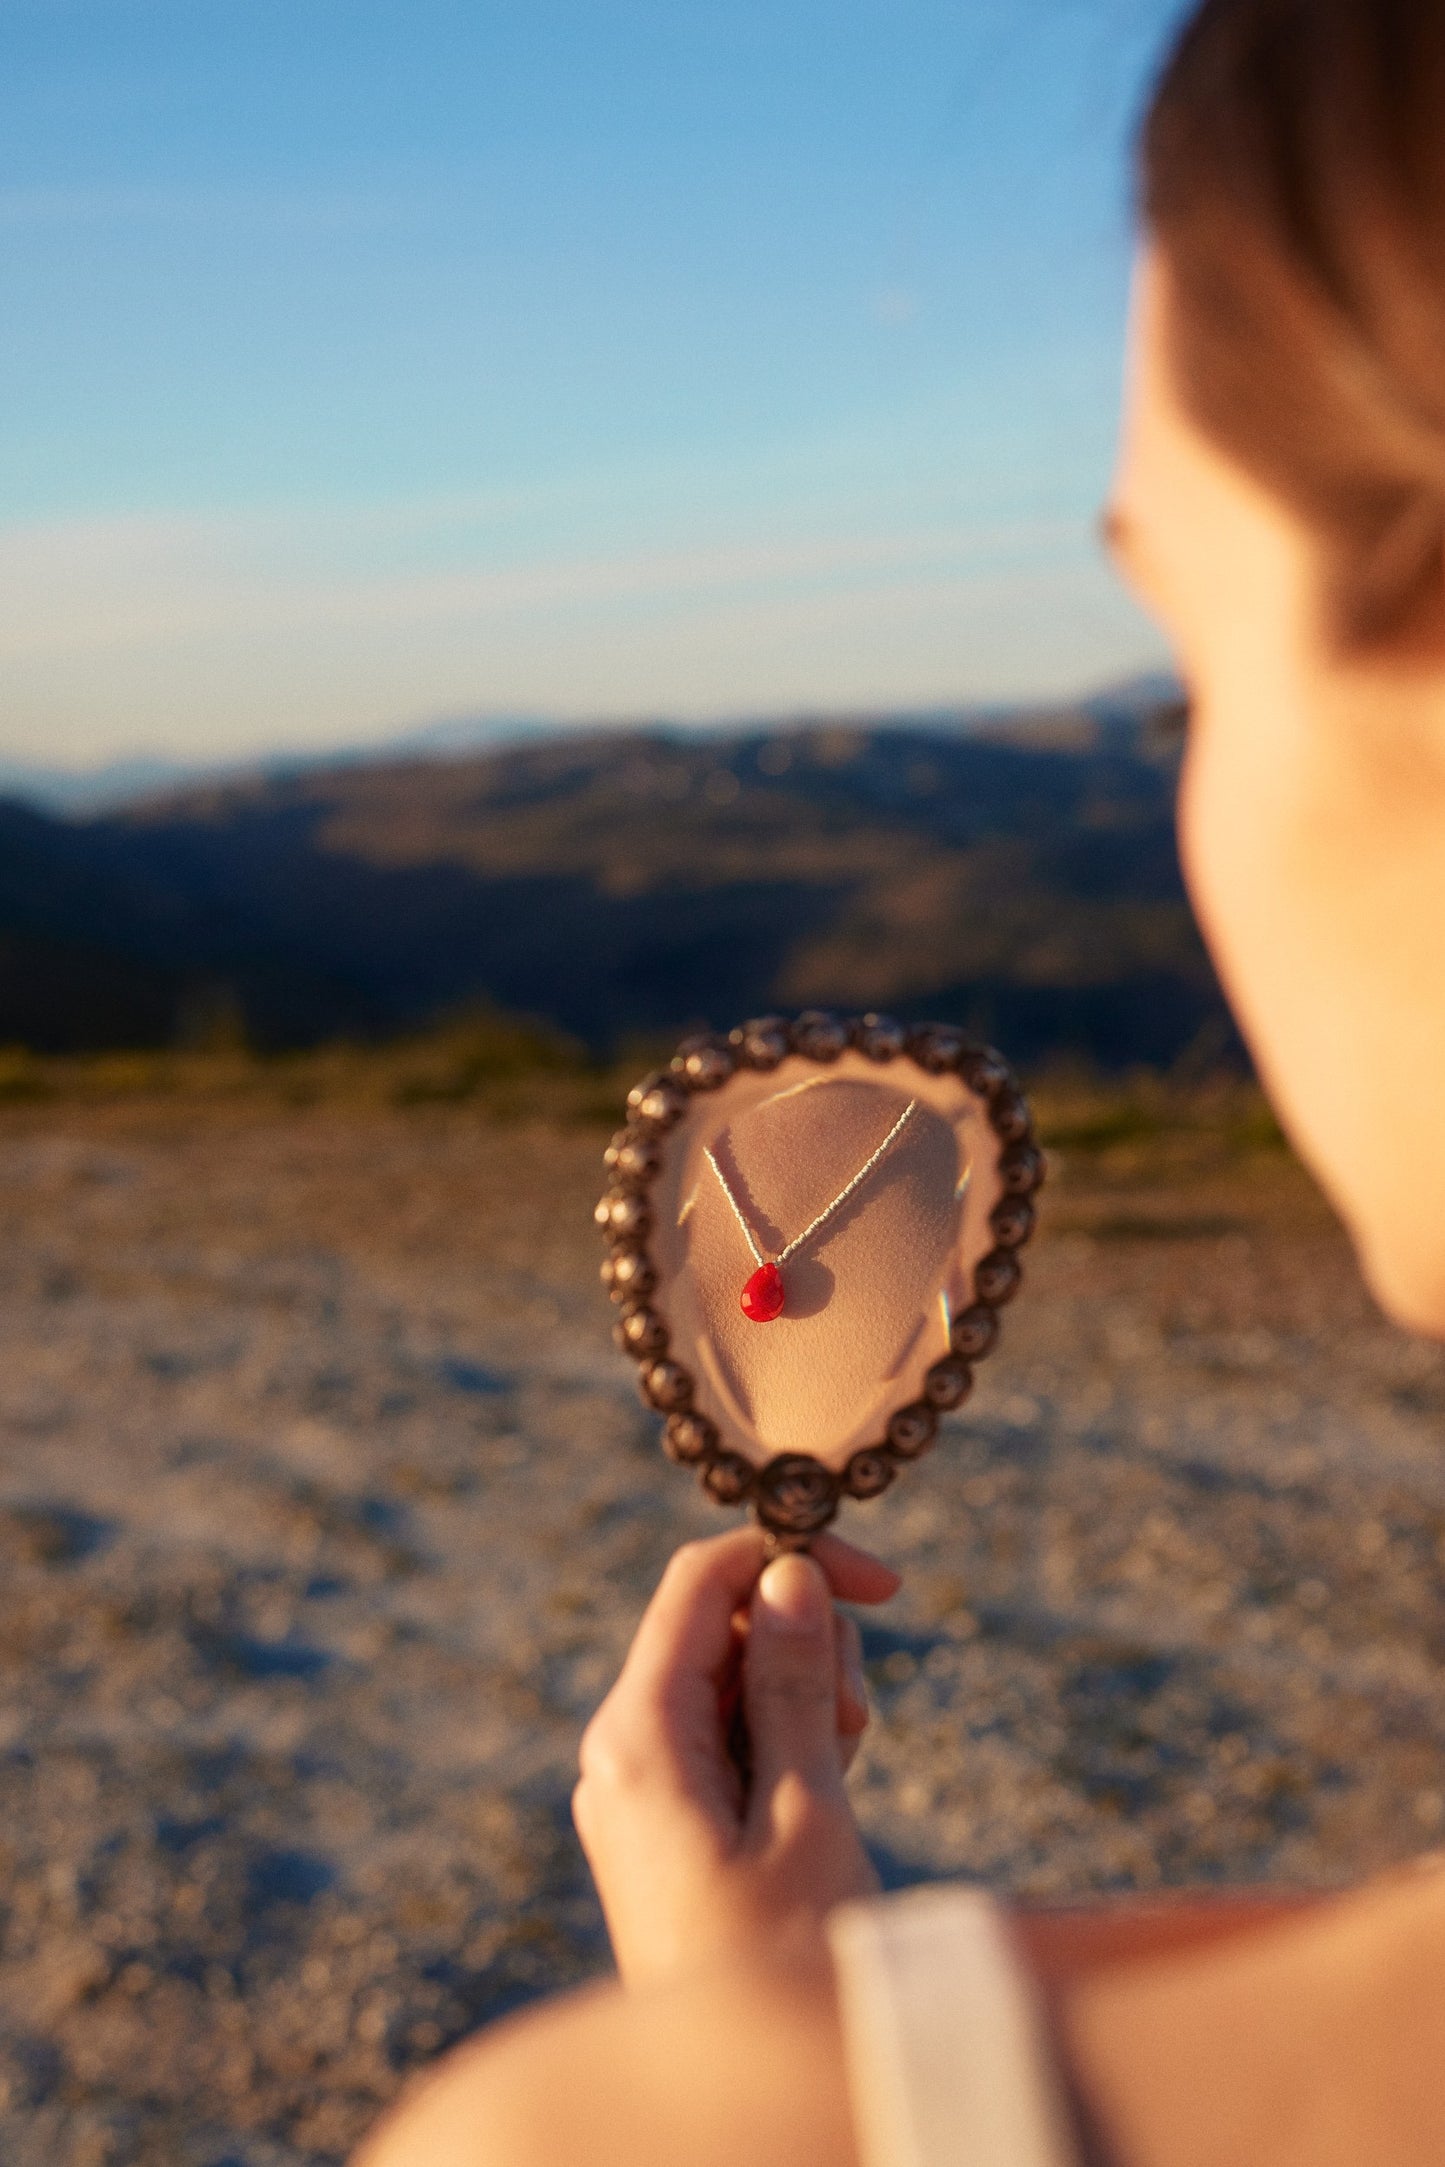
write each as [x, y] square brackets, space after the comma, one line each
[790, 1684]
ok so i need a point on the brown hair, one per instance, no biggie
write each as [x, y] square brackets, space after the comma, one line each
[1293, 177]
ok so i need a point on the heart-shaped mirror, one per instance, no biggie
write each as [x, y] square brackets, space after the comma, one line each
[811, 1228]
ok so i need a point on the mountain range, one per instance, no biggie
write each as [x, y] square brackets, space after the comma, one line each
[105, 786]
[1018, 875]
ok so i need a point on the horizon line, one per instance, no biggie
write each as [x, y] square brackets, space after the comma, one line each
[123, 778]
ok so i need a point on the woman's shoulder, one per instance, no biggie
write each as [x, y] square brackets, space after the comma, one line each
[1261, 2030]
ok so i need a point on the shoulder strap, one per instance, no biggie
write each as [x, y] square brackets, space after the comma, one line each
[946, 2042]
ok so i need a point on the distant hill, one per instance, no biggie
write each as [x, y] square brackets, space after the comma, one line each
[106, 787]
[77, 791]
[73, 973]
[1020, 876]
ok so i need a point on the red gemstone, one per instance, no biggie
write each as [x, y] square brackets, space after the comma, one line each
[763, 1294]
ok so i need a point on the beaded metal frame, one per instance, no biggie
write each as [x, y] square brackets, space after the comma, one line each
[794, 1496]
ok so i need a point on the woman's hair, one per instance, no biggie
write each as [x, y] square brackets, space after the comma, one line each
[1293, 179]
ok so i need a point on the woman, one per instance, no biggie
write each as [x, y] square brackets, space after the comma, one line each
[1280, 506]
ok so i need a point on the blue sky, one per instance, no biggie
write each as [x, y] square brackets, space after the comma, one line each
[363, 365]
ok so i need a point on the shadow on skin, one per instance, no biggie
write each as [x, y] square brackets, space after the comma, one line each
[810, 1287]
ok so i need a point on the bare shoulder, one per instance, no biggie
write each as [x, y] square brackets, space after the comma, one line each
[740, 2063]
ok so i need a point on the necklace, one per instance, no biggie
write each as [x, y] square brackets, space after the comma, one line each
[764, 1296]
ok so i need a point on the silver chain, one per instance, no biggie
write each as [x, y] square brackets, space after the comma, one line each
[828, 1209]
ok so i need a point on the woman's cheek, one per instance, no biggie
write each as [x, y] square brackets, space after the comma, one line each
[1216, 858]
[1274, 854]
[1238, 850]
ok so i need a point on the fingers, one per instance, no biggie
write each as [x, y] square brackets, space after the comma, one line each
[687, 1627]
[791, 1684]
[853, 1712]
[854, 1575]
[664, 1727]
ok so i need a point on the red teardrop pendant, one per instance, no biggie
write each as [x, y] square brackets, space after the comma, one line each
[763, 1294]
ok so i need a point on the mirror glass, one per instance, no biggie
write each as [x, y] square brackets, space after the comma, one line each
[811, 1227]
[813, 1354]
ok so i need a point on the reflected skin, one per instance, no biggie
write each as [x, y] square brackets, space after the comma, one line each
[1312, 827]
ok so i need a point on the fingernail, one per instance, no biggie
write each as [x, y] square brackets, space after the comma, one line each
[795, 1595]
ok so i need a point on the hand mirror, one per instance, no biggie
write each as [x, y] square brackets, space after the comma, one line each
[811, 1228]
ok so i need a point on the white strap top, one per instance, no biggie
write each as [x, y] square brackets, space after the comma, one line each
[948, 2062]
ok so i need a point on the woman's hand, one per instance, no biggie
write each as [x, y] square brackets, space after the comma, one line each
[692, 1859]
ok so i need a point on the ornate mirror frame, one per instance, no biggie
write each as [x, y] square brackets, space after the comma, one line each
[793, 1495]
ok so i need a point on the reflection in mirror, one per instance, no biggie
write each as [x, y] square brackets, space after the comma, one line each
[811, 1228]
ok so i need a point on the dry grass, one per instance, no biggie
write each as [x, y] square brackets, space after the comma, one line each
[514, 1070]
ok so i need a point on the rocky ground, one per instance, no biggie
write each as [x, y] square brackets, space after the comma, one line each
[326, 1508]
